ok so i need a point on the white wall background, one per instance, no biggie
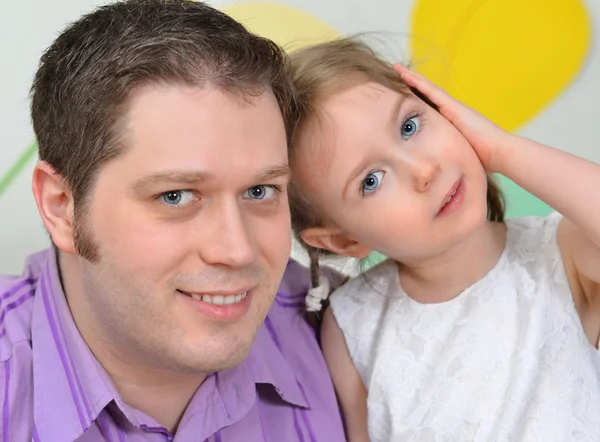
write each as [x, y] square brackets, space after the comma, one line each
[27, 27]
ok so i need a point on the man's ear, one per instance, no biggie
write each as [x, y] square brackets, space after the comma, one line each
[331, 239]
[54, 201]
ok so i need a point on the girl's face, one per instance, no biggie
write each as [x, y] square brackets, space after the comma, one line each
[389, 173]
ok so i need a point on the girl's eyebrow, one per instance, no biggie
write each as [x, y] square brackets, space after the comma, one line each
[392, 121]
[396, 109]
[353, 175]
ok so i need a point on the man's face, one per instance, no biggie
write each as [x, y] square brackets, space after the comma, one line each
[192, 227]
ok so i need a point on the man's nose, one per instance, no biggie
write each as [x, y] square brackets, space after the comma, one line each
[225, 240]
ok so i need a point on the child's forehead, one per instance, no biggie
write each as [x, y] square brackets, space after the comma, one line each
[316, 140]
[357, 109]
[366, 98]
[368, 90]
[338, 118]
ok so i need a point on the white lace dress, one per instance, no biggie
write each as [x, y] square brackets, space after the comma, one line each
[506, 360]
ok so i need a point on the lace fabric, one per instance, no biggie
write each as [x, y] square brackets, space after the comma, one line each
[506, 360]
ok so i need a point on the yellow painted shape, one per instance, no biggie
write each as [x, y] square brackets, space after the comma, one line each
[292, 28]
[506, 58]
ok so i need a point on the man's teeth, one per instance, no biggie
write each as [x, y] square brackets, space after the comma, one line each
[218, 299]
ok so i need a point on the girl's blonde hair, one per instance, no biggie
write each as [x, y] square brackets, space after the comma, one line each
[319, 72]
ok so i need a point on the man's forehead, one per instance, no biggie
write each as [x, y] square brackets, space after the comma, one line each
[184, 134]
[240, 95]
[172, 111]
[182, 104]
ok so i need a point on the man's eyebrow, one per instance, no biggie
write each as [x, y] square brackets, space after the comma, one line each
[282, 170]
[192, 178]
[168, 177]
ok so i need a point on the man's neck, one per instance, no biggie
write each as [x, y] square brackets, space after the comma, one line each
[161, 394]
[444, 277]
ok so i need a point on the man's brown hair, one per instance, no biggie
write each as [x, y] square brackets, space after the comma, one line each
[86, 78]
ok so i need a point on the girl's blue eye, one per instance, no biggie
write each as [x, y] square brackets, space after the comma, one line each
[410, 127]
[371, 182]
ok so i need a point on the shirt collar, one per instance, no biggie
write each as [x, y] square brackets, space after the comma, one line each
[226, 397]
[267, 365]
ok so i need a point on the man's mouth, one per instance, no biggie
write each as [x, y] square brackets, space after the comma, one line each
[217, 299]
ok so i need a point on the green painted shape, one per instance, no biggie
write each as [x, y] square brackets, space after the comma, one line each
[519, 203]
[18, 166]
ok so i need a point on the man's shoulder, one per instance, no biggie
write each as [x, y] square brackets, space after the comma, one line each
[291, 295]
[287, 323]
[292, 291]
[288, 344]
[296, 279]
[17, 294]
[16, 353]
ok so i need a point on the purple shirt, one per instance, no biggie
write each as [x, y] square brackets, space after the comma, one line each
[54, 390]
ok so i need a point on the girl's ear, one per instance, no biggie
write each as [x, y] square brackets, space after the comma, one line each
[331, 239]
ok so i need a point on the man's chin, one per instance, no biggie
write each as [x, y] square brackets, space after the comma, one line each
[226, 356]
[233, 361]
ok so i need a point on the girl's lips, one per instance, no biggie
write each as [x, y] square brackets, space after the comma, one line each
[453, 199]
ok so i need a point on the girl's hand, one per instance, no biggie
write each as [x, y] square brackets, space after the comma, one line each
[487, 139]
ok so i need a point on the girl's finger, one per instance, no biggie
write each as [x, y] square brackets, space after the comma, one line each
[436, 94]
[401, 70]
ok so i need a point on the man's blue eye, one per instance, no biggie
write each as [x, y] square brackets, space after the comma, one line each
[372, 182]
[172, 198]
[177, 197]
[262, 192]
[410, 127]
